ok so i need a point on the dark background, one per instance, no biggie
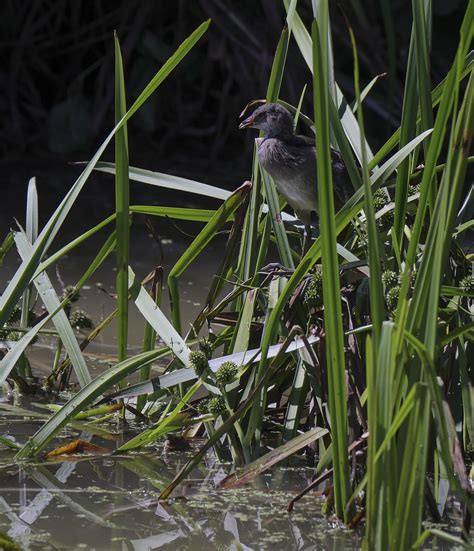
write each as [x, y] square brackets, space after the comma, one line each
[57, 78]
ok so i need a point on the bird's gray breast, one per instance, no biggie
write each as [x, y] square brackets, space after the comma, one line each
[293, 170]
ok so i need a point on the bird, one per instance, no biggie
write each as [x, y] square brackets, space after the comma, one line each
[290, 160]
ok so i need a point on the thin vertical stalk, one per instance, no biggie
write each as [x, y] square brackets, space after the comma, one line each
[273, 91]
[422, 31]
[377, 309]
[407, 132]
[331, 287]
[122, 205]
[31, 230]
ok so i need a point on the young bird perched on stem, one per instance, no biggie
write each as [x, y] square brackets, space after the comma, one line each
[291, 161]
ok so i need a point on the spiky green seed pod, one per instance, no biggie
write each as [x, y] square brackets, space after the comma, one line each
[205, 346]
[391, 298]
[15, 315]
[467, 283]
[80, 320]
[216, 405]
[380, 199]
[390, 279]
[199, 362]
[13, 336]
[226, 373]
[203, 407]
[313, 296]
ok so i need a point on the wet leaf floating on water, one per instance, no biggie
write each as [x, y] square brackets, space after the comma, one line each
[78, 447]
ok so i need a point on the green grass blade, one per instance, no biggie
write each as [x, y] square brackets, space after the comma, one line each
[167, 181]
[273, 91]
[8, 362]
[365, 92]
[296, 401]
[331, 287]
[122, 203]
[259, 466]
[221, 216]
[155, 317]
[407, 132]
[422, 34]
[51, 301]
[279, 230]
[377, 308]
[83, 398]
[31, 230]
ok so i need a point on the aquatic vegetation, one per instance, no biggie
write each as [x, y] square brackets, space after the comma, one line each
[361, 348]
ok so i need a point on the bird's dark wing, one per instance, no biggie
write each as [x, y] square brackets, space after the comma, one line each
[342, 183]
[341, 180]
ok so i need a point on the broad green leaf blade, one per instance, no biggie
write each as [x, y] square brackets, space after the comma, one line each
[155, 317]
[168, 181]
[260, 465]
[178, 213]
[8, 362]
[83, 398]
[52, 303]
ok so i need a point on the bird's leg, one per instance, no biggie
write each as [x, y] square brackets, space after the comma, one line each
[276, 268]
[307, 236]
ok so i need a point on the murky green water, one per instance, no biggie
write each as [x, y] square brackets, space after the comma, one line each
[112, 503]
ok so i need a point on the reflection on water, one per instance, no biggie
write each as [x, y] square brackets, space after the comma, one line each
[112, 503]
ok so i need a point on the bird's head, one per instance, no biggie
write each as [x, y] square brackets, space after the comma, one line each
[272, 118]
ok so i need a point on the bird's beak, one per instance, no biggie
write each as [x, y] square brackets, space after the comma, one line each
[247, 123]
